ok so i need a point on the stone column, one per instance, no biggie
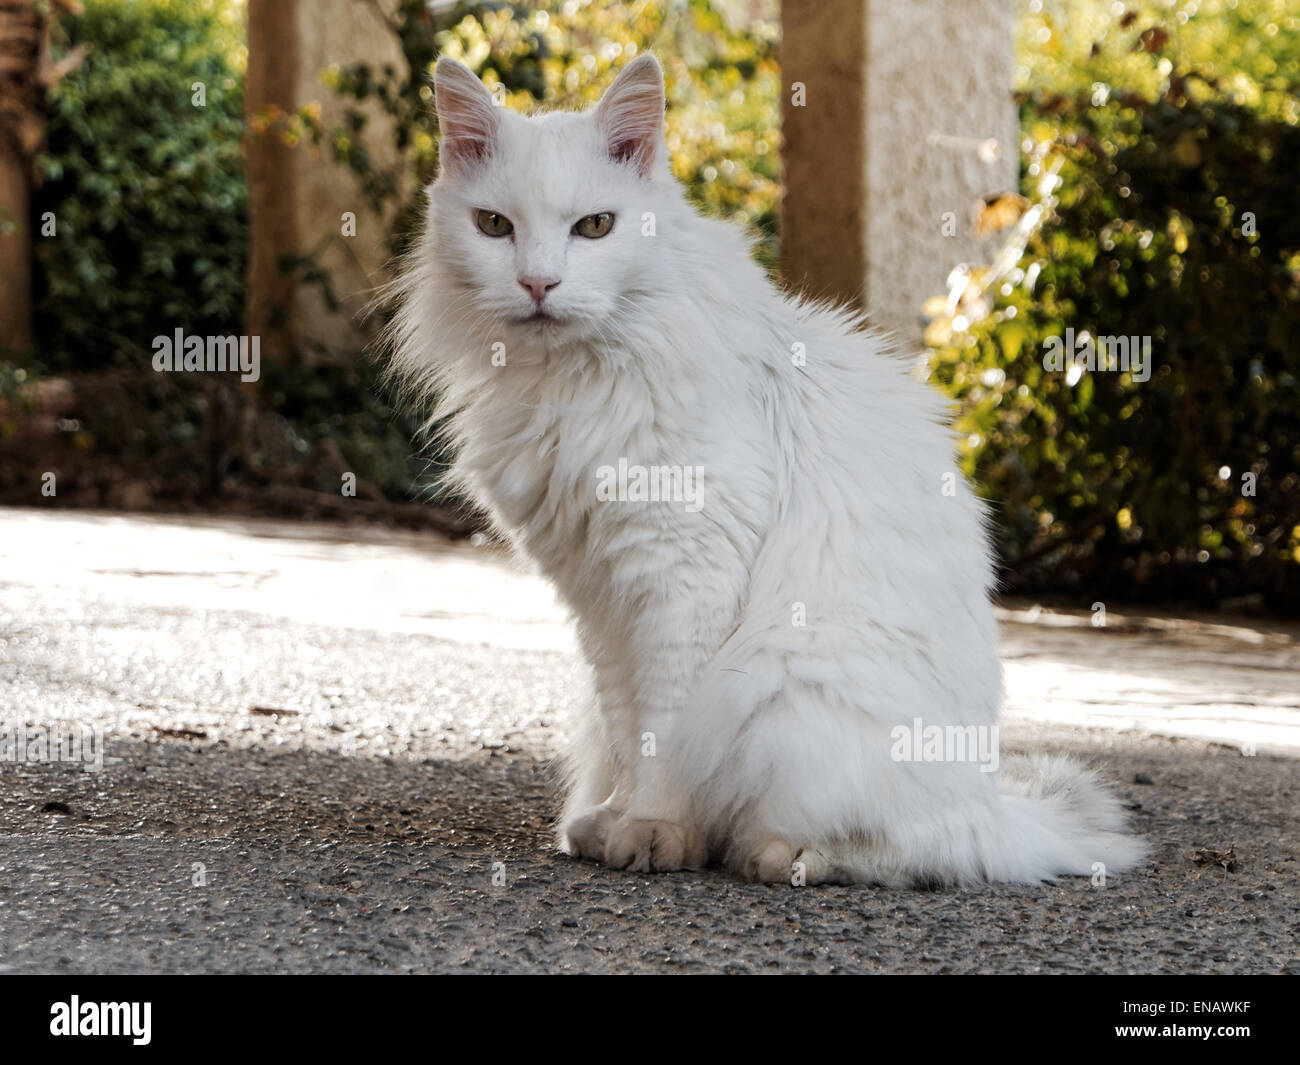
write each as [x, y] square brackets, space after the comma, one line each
[905, 121]
[297, 195]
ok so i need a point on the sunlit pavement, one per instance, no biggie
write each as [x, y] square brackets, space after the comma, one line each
[329, 748]
[1225, 680]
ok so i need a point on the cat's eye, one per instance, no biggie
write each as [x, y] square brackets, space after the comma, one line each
[594, 226]
[493, 224]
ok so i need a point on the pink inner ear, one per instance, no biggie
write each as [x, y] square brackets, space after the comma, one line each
[467, 131]
[470, 148]
[627, 150]
[631, 116]
[633, 132]
[467, 115]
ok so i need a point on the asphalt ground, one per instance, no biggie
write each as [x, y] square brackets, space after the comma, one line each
[282, 795]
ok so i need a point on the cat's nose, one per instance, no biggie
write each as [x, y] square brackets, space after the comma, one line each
[538, 287]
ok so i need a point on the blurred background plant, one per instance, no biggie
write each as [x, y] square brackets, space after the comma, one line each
[1162, 160]
[152, 188]
[146, 187]
[1160, 164]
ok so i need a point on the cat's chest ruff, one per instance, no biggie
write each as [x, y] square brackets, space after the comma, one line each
[534, 468]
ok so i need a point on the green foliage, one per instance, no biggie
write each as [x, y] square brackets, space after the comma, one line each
[147, 190]
[1241, 51]
[352, 407]
[1170, 216]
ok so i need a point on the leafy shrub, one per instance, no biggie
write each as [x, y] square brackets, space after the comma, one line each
[147, 190]
[1170, 217]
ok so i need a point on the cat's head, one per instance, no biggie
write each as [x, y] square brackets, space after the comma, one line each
[538, 224]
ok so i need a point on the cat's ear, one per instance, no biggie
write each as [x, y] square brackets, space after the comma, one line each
[467, 115]
[630, 115]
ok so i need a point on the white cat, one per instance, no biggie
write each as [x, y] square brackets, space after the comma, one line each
[762, 644]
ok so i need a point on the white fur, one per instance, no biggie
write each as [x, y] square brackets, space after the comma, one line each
[823, 491]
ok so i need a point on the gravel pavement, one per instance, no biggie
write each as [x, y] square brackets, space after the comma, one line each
[304, 770]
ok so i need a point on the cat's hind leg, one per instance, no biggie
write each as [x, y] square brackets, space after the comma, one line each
[777, 861]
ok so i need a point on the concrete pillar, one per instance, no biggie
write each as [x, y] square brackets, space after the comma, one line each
[297, 196]
[905, 122]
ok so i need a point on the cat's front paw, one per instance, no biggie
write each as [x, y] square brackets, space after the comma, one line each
[645, 846]
[585, 834]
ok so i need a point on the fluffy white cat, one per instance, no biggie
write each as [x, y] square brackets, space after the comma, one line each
[751, 507]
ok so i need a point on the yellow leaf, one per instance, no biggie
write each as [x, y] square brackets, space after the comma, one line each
[1187, 150]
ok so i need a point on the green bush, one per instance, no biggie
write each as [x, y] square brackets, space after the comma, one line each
[147, 189]
[1170, 216]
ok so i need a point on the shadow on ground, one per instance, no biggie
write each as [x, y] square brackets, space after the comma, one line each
[188, 856]
[319, 752]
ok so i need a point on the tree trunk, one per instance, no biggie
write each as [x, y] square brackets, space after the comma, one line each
[27, 72]
[20, 129]
[15, 256]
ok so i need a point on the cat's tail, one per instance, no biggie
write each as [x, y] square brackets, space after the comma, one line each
[1066, 821]
[1052, 817]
